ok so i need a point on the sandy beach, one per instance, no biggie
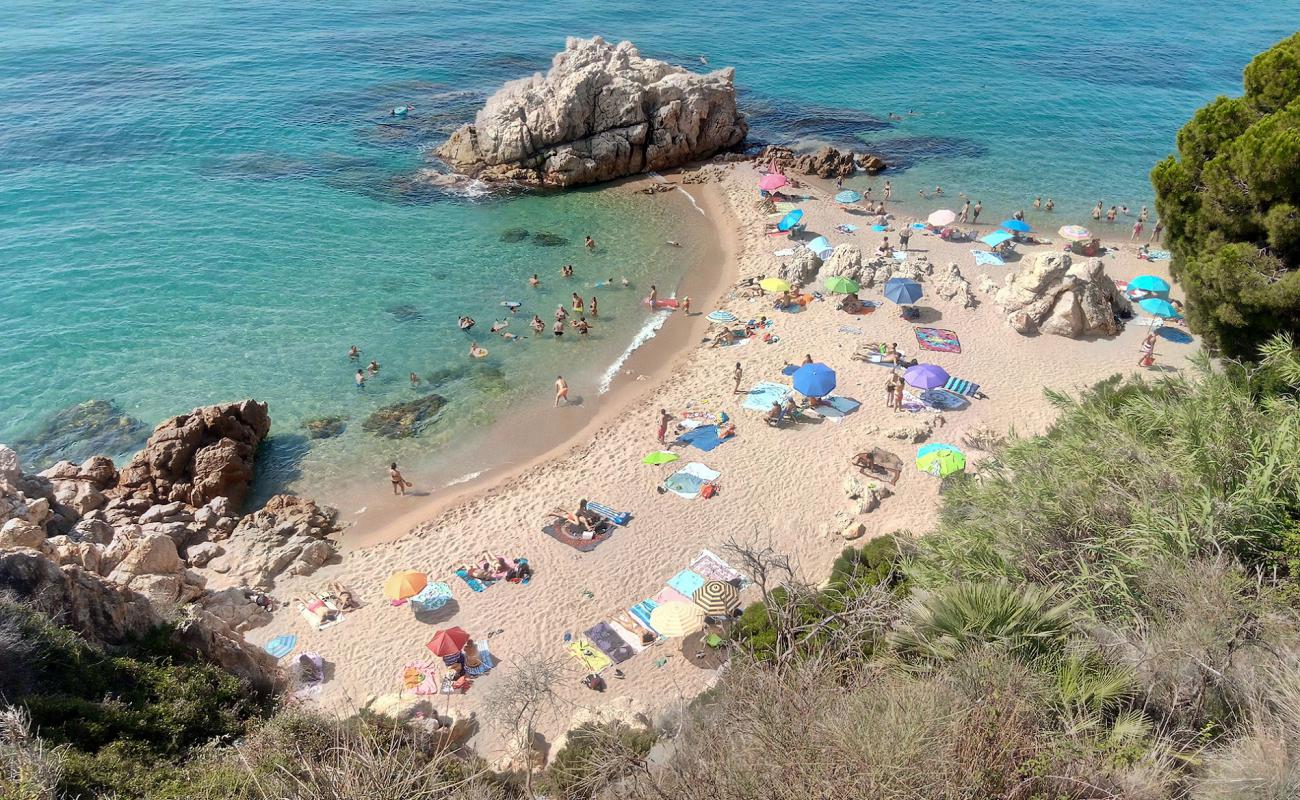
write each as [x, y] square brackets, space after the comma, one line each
[779, 487]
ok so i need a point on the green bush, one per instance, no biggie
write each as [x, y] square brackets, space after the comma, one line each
[1230, 203]
[595, 756]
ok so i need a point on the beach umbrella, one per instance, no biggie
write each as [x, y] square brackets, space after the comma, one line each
[660, 457]
[1149, 283]
[820, 247]
[814, 380]
[790, 220]
[838, 284]
[848, 196]
[941, 217]
[716, 598]
[1075, 233]
[996, 238]
[281, 645]
[771, 181]
[926, 376]
[401, 585]
[677, 618]
[721, 316]
[1159, 306]
[448, 642]
[432, 597]
[903, 291]
[1017, 225]
[774, 285]
[940, 460]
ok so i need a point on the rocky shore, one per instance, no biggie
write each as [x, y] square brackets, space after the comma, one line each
[114, 553]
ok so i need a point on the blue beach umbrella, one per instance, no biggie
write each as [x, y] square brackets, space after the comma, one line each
[820, 246]
[721, 316]
[282, 645]
[1159, 306]
[996, 238]
[903, 291]
[814, 380]
[1016, 225]
[790, 220]
[848, 196]
[1149, 283]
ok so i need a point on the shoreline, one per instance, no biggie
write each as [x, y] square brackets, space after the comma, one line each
[641, 371]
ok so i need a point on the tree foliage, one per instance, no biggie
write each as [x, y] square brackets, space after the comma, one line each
[1230, 202]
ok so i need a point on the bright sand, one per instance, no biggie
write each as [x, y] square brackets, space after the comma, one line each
[779, 487]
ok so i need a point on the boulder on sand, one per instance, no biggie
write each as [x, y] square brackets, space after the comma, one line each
[1052, 295]
[601, 112]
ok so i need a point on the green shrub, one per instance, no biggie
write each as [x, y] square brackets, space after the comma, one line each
[595, 756]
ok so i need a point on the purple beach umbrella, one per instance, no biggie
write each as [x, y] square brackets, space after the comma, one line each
[926, 376]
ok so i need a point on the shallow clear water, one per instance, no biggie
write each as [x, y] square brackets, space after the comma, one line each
[202, 204]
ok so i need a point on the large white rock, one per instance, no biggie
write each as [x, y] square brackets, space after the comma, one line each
[1051, 294]
[601, 112]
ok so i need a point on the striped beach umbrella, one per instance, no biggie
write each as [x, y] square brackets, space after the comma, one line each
[677, 618]
[847, 196]
[1075, 233]
[716, 598]
[721, 316]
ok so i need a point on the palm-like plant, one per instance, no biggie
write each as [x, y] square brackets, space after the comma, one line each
[1026, 621]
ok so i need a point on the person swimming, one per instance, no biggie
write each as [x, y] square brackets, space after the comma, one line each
[499, 326]
[466, 323]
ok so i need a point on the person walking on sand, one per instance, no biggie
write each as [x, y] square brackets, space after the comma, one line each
[889, 189]
[738, 374]
[889, 389]
[415, 380]
[561, 391]
[1148, 357]
[400, 484]
[354, 353]
[685, 305]
[975, 212]
[360, 379]
[899, 383]
[1137, 230]
[903, 236]
[1156, 231]
[664, 418]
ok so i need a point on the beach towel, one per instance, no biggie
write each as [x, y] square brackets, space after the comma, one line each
[834, 408]
[984, 258]
[878, 359]
[944, 400]
[589, 655]
[961, 387]
[473, 583]
[900, 256]
[919, 226]
[314, 619]
[670, 595]
[938, 339]
[485, 656]
[879, 228]
[687, 481]
[630, 631]
[711, 567]
[850, 329]
[764, 394]
[282, 645]
[620, 518]
[845, 228]
[609, 642]
[555, 530]
[641, 613]
[686, 582]
[419, 677]
[740, 342]
[703, 438]
[786, 253]
[1158, 255]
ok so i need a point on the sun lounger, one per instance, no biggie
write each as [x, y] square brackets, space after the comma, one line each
[961, 387]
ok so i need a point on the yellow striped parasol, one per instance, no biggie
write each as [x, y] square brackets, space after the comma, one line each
[716, 598]
[677, 618]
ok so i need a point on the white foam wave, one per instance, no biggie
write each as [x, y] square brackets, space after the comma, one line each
[644, 335]
[466, 478]
[662, 179]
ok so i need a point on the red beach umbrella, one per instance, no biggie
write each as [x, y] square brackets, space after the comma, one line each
[448, 642]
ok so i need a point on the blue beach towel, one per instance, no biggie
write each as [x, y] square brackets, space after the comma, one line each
[473, 583]
[703, 438]
[485, 656]
[764, 394]
[281, 646]
[789, 369]
[687, 582]
[985, 258]
[1158, 255]
[879, 228]
[642, 611]
[920, 226]
[961, 387]
[620, 518]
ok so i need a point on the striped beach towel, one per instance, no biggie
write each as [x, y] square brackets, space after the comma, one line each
[619, 518]
[959, 386]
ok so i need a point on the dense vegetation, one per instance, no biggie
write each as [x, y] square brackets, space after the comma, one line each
[1230, 203]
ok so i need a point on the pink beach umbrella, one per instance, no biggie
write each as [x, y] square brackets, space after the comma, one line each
[941, 217]
[771, 181]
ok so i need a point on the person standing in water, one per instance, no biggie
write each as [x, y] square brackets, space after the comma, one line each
[1096, 212]
[534, 281]
[360, 379]
[889, 189]
[400, 484]
[1050, 205]
[653, 299]
[415, 381]
[561, 391]
[594, 310]
[964, 216]
[537, 325]
[373, 368]
[590, 243]
[975, 212]
[354, 353]
[1038, 202]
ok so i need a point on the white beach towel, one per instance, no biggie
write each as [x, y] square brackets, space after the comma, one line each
[786, 253]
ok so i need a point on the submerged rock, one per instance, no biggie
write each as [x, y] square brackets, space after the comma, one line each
[80, 431]
[512, 235]
[325, 427]
[548, 239]
[403, 420]
[405, 312]
[601, 112]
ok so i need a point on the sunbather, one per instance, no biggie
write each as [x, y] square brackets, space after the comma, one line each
[774, 414]
[343, 596]
[319, 609]
[723, 338]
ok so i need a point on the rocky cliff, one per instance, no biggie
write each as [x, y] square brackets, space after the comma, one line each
[601, 112]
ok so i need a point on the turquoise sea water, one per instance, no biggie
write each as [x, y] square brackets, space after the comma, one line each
[201, 202]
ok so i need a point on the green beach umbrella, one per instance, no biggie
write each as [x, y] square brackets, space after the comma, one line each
[940, 460]
[838, 284]
[660, 457]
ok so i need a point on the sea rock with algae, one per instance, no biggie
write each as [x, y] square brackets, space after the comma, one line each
[602, 112]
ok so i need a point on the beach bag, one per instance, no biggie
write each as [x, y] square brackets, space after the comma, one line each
[1148, 360]
[708, 490]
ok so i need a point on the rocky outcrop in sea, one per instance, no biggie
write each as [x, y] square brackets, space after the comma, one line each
[113, 554]
[602, 112]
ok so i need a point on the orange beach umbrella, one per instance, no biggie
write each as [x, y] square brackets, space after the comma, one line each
[402, 585]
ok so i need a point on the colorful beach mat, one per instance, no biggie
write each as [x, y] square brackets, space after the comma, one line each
[609, 642]
[711, 567]
[938, 339]
[589, 655]
[555, 530]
